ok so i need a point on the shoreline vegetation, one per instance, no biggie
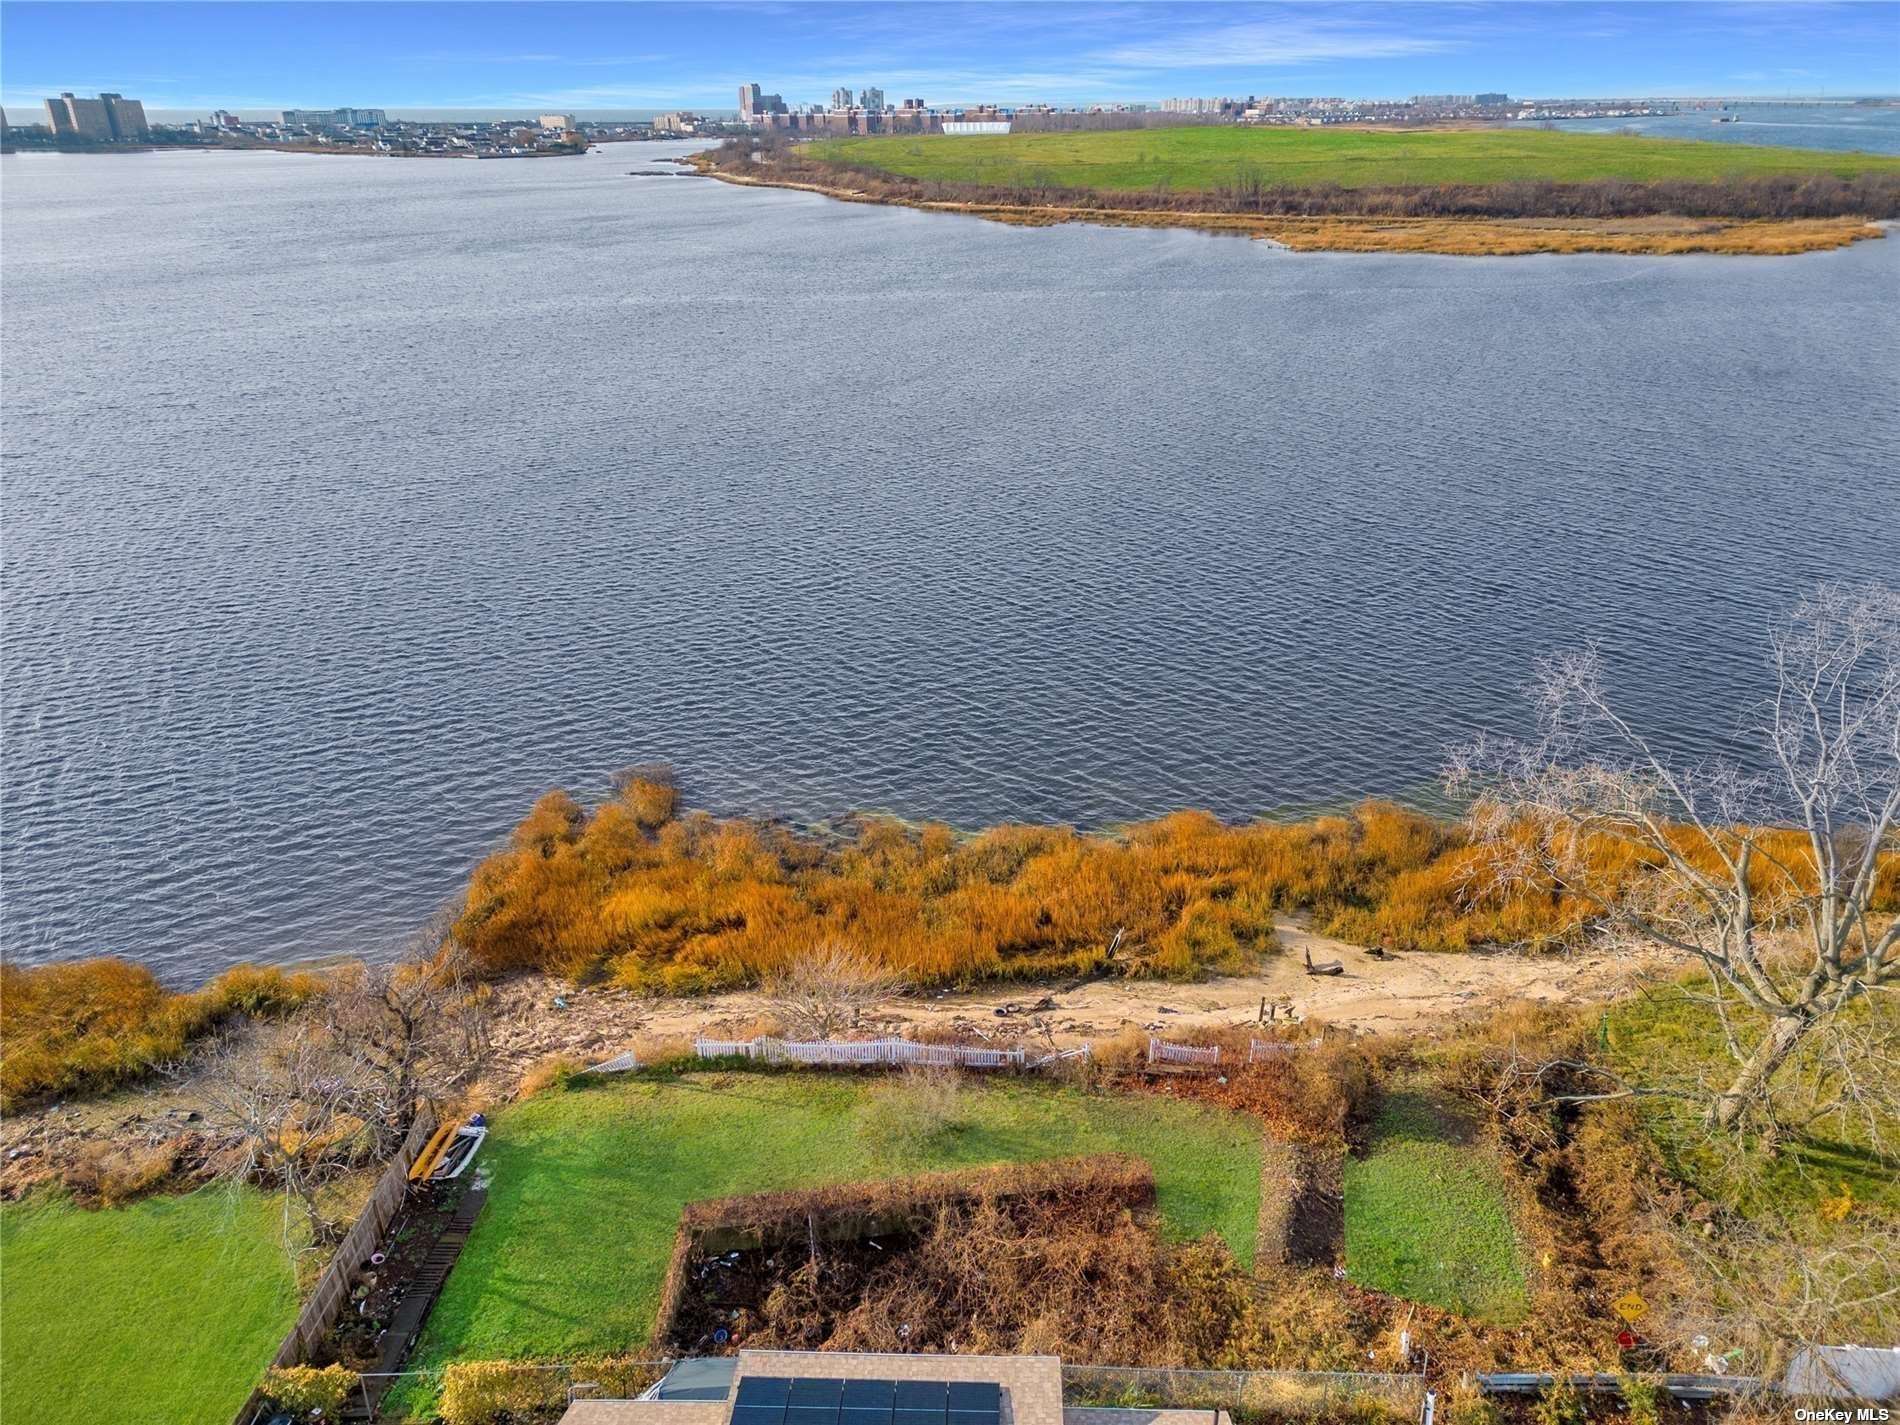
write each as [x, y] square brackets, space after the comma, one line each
[1449, 191]
[641, 896]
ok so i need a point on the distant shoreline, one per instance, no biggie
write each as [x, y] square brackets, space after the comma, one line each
[326, 150]
[1325, 229]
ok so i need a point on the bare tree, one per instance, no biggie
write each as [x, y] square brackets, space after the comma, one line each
[301, 1112]
[828, 990]
[1764, 877]
[414, 1029]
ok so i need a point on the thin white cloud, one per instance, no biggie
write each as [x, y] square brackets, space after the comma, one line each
[1274, 44]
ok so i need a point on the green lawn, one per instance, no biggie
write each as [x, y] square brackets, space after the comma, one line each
[163, 1313]
[1192, 159]
[588, 1185]
[1665, 1039]
[1426, 1214]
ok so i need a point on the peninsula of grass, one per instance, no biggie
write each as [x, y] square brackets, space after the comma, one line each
[1426, 1214]
[1213, 158]
[1461, 191]
[568, 1256]
[162, 1313]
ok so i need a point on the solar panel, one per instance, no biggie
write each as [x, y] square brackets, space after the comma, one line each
[983, 1395]
[824, 1400]
[816, 1391]
[764, 1390]
[922, 1395]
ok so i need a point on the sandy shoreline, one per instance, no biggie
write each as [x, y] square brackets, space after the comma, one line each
[1466, 237]
[535, 1016]
[1414, 992]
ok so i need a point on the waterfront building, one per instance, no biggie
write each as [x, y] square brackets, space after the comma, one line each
[1491, 101]
[754, 106]
[126, 117]
[76, 118]
[563, 122]
[334, 118]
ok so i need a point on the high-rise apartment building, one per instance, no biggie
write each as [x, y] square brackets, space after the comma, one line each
[126, 117]
[753, 105]
[872, 99]
[841, 98]
[72, 117]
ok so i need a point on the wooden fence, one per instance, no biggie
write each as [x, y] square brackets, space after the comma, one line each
[860, 1053]
[333, 1287]
[1160, 1051]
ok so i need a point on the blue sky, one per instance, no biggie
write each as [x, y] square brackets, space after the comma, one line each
[613, 56]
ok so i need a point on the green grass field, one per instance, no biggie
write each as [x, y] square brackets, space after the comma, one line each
[568, 1255]
[162, 1313]
[1426, 1215]
[1834, 1152]
[1196, 159]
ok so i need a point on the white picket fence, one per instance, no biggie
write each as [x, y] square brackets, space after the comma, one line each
[860, 1053]
[1262, 1049]
[620, 1064]
[1081, 1051]
[1160, 1051]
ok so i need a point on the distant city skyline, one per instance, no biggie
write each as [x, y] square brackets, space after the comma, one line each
[189, 57]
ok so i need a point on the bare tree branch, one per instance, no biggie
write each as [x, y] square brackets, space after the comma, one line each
[1765, 878]
[828, 991]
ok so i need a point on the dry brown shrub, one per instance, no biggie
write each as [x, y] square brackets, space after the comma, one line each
[1317, 1093]
[89, 1024]
[652, 1049]
[553, 1071]
[692, 903]
[104, 1174]
[1121, 1053]
[1060, 1259]
[650, 794]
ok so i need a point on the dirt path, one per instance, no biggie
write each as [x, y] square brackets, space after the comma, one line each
[1413, 992]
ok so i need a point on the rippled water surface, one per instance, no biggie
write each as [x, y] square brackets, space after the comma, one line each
[351, 503]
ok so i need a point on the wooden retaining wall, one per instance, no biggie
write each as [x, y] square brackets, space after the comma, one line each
[333, 1287]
